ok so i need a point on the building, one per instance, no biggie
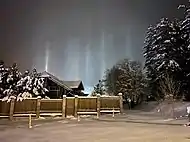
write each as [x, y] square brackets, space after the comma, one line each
[76, 86]
[57, 88]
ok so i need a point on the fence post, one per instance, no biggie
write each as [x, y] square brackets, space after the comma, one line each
[30, 121]
[64, 106]
[98, 106]
[76, 105]
[12, 106]
[121, 102]
[38, 104]
[113, 113]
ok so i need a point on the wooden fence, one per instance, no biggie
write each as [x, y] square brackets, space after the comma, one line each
[63, 107]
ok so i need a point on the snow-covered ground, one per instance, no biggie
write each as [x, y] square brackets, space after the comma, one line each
[96, 131]
[180, 108]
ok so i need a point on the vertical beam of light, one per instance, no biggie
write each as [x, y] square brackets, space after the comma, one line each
[66, 62]
[47, 56]
[72, 60]
[88, 59]
[41, 57]
[77, 61]
[111, 53]
[103, 62]
[128, 48]
[87, 63]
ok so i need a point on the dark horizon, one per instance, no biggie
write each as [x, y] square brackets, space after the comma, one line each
[78, 39]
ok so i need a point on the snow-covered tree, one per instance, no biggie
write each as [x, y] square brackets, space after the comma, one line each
[11, 90]
[161, 47]
[185, 30]
[19, 86]
[38, 84]
[3, 78]
[163, 50]
[31, 85]
[126, 77]
[110, 79]
[24, 86]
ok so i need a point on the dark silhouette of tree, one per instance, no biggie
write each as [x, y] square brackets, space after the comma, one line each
[126, 77]
[99, 88]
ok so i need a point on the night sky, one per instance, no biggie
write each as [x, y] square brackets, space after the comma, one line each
[77, 39]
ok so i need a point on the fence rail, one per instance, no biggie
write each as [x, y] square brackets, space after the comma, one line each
[66, 106]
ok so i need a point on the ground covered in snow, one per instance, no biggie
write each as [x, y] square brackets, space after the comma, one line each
[134, 126]
[165, 108]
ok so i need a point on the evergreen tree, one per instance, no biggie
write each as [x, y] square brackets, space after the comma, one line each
[24, 86]
[15, 85]
[38, 88]
[110, 80]
[99, 88]
[13, 77]
[162, 51]
[31, 85]
[185, 30]
[3, 78]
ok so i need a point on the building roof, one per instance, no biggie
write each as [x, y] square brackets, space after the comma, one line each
[75, 84]
[48, 75]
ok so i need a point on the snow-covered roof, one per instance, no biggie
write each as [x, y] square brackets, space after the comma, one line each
[50, 76]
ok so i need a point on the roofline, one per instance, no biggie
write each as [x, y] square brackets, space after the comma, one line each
[56, 80]
[59, 83]
[72, 87]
